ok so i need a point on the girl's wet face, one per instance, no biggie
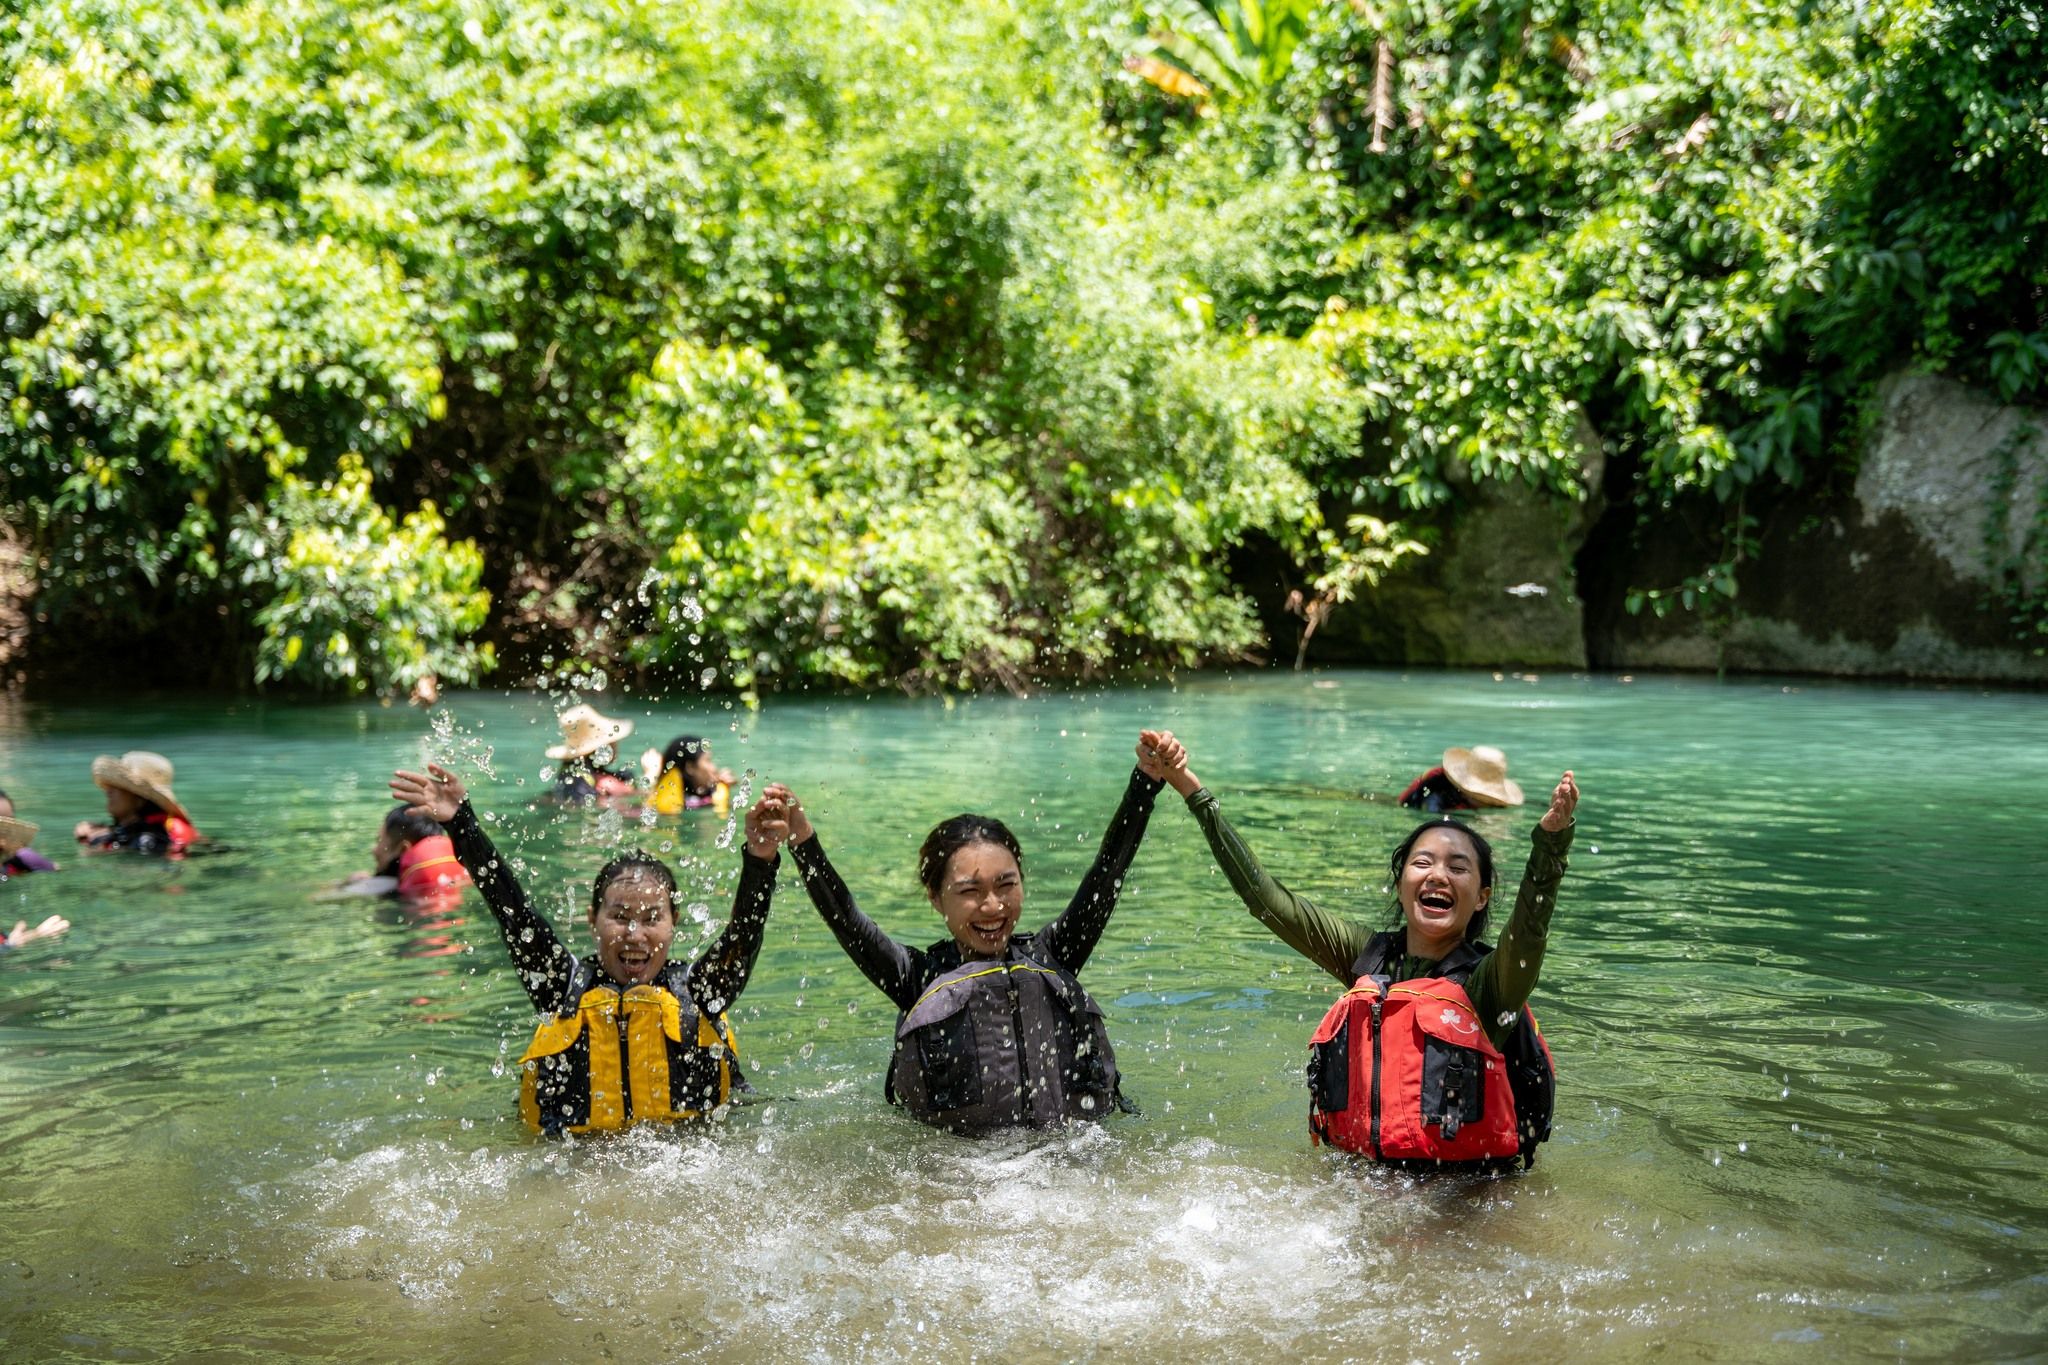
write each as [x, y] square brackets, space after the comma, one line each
[1439, 886]
[980, 897]
[634, 925]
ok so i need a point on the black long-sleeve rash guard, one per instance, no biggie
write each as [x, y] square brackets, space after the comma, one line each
[545, 965]
[902, 972]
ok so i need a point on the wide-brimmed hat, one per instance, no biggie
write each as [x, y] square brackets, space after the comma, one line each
[16, 835]
[584, 731]
[145, 774]
[1481, 772]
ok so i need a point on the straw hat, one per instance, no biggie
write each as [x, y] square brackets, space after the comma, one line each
[16, 835]
[1481, 772]
[145, 774]
[584, 731]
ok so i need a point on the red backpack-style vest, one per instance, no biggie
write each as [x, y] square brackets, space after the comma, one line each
[1405, 1072]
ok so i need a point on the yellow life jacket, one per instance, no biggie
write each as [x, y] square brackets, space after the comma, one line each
[670, 797]
[611, 1059]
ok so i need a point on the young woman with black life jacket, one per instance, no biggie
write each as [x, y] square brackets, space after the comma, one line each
[995, 1030]
[627, 1036]
[1431, 1057]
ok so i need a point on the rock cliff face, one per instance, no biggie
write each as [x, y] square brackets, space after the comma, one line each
[1894, 576]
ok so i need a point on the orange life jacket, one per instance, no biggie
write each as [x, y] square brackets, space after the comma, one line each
[1405, 1072]
[430, 870]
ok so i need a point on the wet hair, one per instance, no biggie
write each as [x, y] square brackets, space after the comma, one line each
[411, 825]
[678, 754]
[1477, 924]
[950, 836]
[640, 862]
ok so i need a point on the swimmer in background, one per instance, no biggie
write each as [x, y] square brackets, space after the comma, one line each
[589, 746]
[17, 859]
[146, 815]
[683, 777]
[413, 860]
[1467, 779]
[626, 1036]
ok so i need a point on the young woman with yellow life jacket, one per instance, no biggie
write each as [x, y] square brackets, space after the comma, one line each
[994, 1030]
[626, 1035]
[1432, 1057]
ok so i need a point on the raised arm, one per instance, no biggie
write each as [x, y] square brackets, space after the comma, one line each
[720, 974]
[544, 964]
[894, 967]
[1501, 984]
[1072, 937]
[1330, 941]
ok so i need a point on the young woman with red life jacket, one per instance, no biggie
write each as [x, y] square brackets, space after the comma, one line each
[1431, 1058]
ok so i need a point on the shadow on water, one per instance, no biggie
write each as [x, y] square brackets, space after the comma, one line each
[1793, 986]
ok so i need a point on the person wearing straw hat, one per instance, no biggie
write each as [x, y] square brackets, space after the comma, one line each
[589, 745]
[147, 815]
[17, 859]
[1466, 780]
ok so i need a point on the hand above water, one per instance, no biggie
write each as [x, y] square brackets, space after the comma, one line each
[1563, 801]
[49, 928]
[800, 830]
[438, 796]
[768, 822]
[1163, 758]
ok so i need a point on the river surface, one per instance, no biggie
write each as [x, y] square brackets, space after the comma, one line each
[1797, 989]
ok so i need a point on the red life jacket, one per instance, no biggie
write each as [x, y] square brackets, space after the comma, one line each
[430, 868]
[1405, 1072]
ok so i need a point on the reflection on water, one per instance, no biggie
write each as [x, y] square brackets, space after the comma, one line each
[1794, 989]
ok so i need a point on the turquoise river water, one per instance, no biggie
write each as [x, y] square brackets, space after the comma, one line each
[1795, 989]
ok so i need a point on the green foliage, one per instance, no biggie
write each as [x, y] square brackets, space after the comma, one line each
[925, 344]
[352, 601]
[1232, 48]
[1938, 206]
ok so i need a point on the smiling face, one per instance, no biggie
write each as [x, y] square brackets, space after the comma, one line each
[1440, 890]
[633, 925]
[980, 896]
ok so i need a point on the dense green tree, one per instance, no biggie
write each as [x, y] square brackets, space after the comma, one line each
[925, 343]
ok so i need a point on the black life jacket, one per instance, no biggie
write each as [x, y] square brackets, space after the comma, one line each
[1004, 1042]
[1451, 1077]
[1436, 793]
[611, 1058]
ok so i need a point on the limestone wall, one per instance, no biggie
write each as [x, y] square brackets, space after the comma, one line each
[1890, 575]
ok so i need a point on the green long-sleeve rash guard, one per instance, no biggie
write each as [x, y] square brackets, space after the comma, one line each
[1498, 987]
